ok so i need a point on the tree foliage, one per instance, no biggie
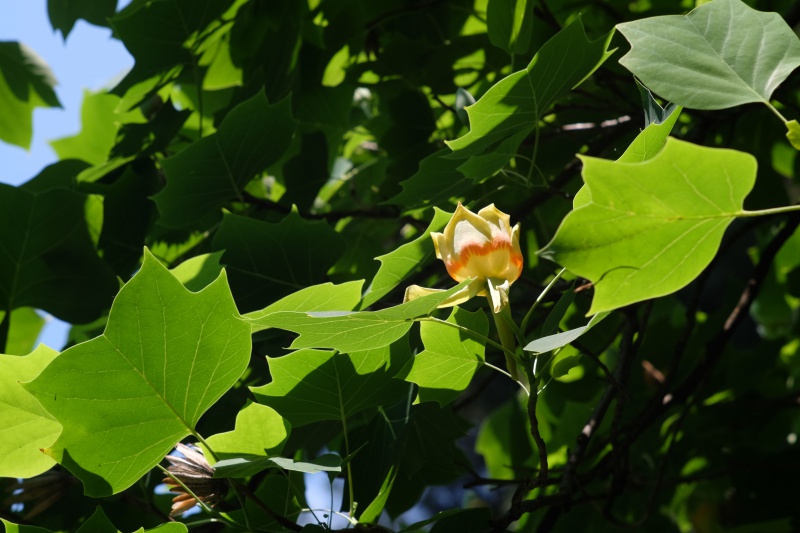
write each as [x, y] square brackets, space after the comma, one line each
[232, 233]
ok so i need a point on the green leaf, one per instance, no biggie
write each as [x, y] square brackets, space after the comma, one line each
[100, 123]
[49, 260]
[450, 359]
[24, 329]
[324, 297]
[16, 528]
[397, 265]
[127, 397]
[559, 340]
[645, 146]
[653, 112]
[329, 462]
[142, 24]
[197, 272]
[25, 427]
[267, 261]
[97, 523]
[517, 102]
[240, 467]
[354, 332]
[213, 171]
[426, 442]
[720, 55]
[65, 13]
[259, 430]
[510, 25]
[312, 385]
[26, 82]
[562, 367]
[503, 440]
[437, 181]
[487, 164]
[652, 227]
[373, 511]
[793, 133]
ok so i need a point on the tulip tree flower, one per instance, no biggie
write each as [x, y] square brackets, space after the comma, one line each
[484, 248]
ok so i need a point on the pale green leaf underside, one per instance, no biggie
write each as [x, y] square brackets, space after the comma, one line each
[652, 227]
[353, 332]
[720, 55]
[323, 297]
[25, 427]
[125, 398]
[559, 340]
[446, 366]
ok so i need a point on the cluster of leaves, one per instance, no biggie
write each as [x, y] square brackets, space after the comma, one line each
[209, 232]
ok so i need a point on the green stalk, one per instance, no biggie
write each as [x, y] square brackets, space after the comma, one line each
[503, 321]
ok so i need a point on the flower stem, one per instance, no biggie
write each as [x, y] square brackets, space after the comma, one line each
[534, 421]
[503, 321]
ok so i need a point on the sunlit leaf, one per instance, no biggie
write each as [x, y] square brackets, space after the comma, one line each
[259, 431]
[652, 227]
[127, 397]
[451, 357]
[518, 101]
[25, 427]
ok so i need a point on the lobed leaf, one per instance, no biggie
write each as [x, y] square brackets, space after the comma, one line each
[722, 54]
[652, 227]
[127, 397]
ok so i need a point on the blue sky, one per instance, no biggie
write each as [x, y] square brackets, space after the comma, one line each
[89, 59]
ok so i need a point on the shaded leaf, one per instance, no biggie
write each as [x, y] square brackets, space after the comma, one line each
[214, 170]
[25, 427]
[127, 397]
[398, 264]
[26, 82]
[722, 54]
[267, 261]
[312, 385]
[24, 329]
[437, 180]
[197, 272]
[65, 13]
[48, 258]
[97, 523]
[516, 102]
[652, 227]
[510, 25]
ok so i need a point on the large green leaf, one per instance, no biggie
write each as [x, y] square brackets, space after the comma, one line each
[398, 264]
[435, 182]
[48, 258]
[652, 227]
[25, 427]
[213, 171]
[26, 82]
[126, 397]
[267, 261]
[720, 55]
[65, 13]
[517, 102]
[646, 145]
[353, 332]
[312, 385]
[446, 366]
